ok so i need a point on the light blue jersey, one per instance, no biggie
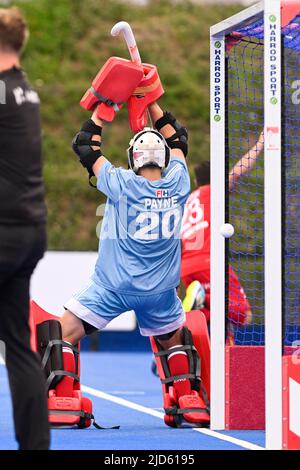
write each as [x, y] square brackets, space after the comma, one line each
[139, 249]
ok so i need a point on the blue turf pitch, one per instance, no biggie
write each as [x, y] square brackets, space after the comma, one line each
[127, 376]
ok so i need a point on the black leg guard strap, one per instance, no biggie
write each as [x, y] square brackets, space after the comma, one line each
[83, 415]
[163, 354]
[179, 140]
[180, 411]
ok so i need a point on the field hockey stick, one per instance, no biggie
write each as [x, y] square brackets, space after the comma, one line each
[124, 28]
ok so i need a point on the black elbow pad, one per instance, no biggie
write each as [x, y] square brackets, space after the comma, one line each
[82, 145]
[179, 140]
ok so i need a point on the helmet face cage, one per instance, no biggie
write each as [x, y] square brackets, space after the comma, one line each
[148, 148]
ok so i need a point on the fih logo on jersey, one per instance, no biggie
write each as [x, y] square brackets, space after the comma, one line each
[162, 193]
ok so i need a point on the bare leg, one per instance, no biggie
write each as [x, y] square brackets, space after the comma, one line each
[72, 327]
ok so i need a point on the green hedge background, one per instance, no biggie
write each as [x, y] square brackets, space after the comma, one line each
[69, 41]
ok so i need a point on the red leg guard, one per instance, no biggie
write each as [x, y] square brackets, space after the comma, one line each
[193, 407]
[87, 408]
[66, 404]
[197, 324]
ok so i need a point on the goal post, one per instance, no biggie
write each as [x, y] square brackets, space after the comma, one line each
[217, 165]
[255, 275]
[273, 223]
[218, 205]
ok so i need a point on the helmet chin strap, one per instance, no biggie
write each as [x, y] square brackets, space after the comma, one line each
[153, 165]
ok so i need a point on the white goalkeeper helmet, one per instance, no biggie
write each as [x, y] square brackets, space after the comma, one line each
[148, 148]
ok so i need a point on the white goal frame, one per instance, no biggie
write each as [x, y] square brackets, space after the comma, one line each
[271, 10]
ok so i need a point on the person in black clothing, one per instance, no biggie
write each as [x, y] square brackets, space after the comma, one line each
[22, 232]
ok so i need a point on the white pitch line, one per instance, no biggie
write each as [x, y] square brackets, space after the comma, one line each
[126, 392]
[121, 401]
[157, 414]
[233, 440]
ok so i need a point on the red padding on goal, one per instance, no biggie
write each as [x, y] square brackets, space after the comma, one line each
[245, 385]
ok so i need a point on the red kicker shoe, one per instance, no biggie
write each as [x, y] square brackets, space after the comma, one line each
[193, 408]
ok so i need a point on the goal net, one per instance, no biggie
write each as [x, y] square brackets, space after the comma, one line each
[245, 121]
[245, 189]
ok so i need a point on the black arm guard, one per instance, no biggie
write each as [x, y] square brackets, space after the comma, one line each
[180, 133]
[82, 145]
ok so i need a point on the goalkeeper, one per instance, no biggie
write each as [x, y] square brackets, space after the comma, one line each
[195, 260]
[139, 255]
